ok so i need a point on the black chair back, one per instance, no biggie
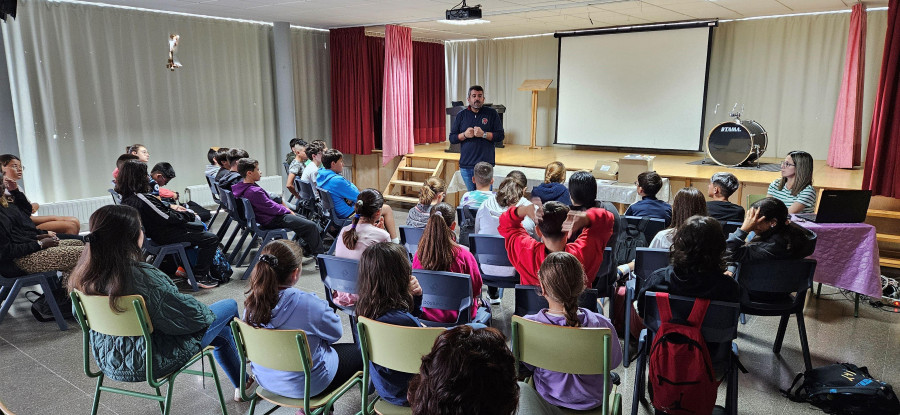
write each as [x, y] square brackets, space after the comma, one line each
[214, 189]
[446, 291]
[654, 225]
[529, 302]
[491, 250]
[729, 227]
[465, 218]
[764, 281]
[605, 282]
[328, 206]
[410, 237]
[249, 215]
[648, 260]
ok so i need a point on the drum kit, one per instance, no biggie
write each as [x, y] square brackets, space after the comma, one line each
[738, 142]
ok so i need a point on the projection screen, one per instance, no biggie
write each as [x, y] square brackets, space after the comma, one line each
[641, 90]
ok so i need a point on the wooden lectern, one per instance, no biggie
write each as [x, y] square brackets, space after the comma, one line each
[535, 86]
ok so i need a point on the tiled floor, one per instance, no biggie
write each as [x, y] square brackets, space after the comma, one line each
[42, 368]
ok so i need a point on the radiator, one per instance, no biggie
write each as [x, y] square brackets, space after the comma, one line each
[79, 208]
[201, 195]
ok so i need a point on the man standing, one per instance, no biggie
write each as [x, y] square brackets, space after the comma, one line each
[476, 129]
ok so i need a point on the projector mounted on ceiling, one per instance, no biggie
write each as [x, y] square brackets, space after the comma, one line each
[463, 12]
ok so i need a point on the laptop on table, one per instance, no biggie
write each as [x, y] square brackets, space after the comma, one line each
[840, 206]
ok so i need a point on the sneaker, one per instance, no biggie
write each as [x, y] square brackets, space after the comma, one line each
[181, 273]
[495, 301]
[237, 391]
[206, 282]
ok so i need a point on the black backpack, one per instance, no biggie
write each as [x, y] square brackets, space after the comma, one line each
[628, 239]
[41, 309]
[844, 388]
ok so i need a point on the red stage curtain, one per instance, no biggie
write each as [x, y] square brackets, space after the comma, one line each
[375, 55]
[351, 91]
[846, 133]
[429, 93]
[882, 171]
[397, 101]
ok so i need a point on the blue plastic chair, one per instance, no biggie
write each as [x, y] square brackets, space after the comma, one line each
[236, 213]
[340, 274]
[328, 207]
[264, 235]
[214, 190]
[646, 261]
[529, 301]
[654, 225]
[409, 238]
[719, 331]
[159, 252]
[450, 291]
[10, 287]
[491, 250]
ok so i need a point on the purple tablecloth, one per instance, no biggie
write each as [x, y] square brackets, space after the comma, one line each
[847, 256]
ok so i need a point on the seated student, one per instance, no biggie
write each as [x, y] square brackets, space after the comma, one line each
[553, 189]
[297, 146]
[274, 303]
[721, 186]
[472, 371]
[483, 177]
[389, 293]
[113, 266]
[25, 249]
[438, 251]
[137, 150]
[562, 281]
[583, 191]
[222, 161]
[297, 163]
[794, 188]
[212, 168]
[649, 184]
[488, 218]
[526, 254]
[431, 193]
[164, 223]
[12, 173]
[688, 202]
[119, 162]
[521, 180]
[314, 153]
[776, 237]
[231, 176]
[270, 214]
[345, 193]
[160, 175]
[367, 229]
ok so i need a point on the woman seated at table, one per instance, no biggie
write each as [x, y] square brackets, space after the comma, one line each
[794, 188]
[776, 237]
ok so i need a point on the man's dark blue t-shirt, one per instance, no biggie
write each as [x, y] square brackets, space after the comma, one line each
[476, 149]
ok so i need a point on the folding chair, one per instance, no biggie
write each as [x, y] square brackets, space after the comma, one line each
[285, 350]
[450, 291]
[778, 288]
[10, 287]
[264, 235]
[528, 301]
[340, 274]
[537, 344]
[94, 314]
[719, 331]
[409, 238]
[379, 345]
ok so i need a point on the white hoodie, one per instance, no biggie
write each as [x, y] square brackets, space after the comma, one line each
[486, 222]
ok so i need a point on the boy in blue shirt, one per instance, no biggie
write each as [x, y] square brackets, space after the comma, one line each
[483, 178]
[649, 184]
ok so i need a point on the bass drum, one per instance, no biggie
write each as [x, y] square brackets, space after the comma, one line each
[732, 143]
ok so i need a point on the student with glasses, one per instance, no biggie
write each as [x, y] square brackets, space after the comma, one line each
[794, 188]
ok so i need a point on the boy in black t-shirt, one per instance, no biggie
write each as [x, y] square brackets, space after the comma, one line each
[721, 186]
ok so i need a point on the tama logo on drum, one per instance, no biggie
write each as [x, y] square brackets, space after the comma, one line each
[731, 129]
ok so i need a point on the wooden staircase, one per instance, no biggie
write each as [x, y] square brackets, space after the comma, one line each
[408, 178]
[888, 241]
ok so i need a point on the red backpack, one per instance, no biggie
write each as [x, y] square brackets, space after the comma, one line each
[681, 379]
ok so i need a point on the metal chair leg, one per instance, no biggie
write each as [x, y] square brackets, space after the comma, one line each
[779, 336]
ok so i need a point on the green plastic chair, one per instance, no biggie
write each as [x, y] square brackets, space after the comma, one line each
[538, 345]
[286, 350]
[397, 348]
[94, 314]
[751, 199]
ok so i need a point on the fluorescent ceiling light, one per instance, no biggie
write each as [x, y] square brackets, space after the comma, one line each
[464, 22]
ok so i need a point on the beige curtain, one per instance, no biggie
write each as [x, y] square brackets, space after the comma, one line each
[88, 80]
[312, 84]
[500, 66]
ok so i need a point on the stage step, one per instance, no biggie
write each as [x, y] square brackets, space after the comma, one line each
[890, 262]
[883, 237]
[889, 214]
[406, 183]
[404, 199]
[416, 169]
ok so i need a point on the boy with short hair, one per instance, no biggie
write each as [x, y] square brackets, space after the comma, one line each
[483, 177]
[232, 176]
[649, 184]
[212, 168]
[222, 160]
[314, 153]
[160, 175]
[271, 214]
[298, 163]
[298, 147]
[721, 186]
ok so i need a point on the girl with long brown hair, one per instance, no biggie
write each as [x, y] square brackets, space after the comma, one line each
[688, 202]
[438, 251]
[561, 279]
[365, 230]
[794, 188]
[274, 303]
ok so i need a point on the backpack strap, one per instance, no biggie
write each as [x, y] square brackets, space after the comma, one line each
[698, 312]
[662, 303]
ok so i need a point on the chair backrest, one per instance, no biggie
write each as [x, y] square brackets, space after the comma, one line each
[647, 260]
[304, 189]
[654, 225]
[117, 198]
[286, 350]
[461, 214]
[538, 344]
[214, 189]
[287, 167]
[751, 199]
[410, 237]
[489, 249]
[719, 324]
[446, 291]
[776, 277]
[234, 210]
[729, 227]
[380, 345]
[327, 202]
[605, 281]
[249, 214]
[528, 301]
[339, 274]
[94, 313]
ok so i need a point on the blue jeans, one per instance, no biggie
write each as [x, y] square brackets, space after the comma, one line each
[467, 175]
[219, 336]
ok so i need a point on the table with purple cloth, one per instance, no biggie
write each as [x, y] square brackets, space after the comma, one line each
[846, 256]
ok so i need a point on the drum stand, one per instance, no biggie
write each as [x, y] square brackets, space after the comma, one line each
[756, 153]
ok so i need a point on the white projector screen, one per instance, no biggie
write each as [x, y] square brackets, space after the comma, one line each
[641, 90]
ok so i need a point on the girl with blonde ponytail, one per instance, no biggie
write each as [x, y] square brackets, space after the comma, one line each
[274, 303]
[562, 281]
[438, 251]
[432, 192]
